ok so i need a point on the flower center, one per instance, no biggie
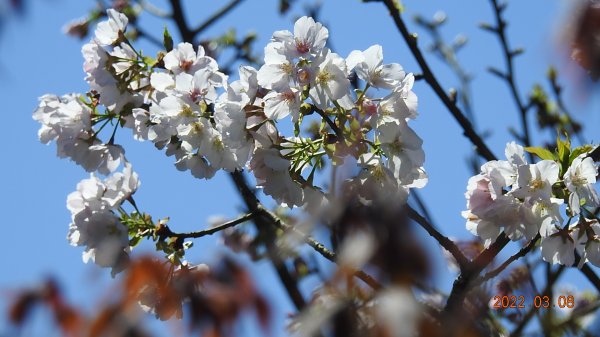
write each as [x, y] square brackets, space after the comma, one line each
[537, 184]
[288, 96]
[186, 64]
[197, 93]
[303, 76]
[323, 77]
[579, 180]
[186, 111]
[286, 68]
[302, 46]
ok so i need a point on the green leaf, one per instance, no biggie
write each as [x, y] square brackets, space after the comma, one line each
[563, 149]
[578, 151]
[134, 241]
[167, 40]
[541, 152]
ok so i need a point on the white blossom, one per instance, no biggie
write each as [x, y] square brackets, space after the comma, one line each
[94, 225]
[183, 58]
[369, 66]
[536, 180]
[308, 39]
[108, 32]
[330, 82]
[279, 105]
[579, 180]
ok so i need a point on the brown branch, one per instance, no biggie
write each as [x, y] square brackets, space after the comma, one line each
[322, 250]
[509, 76]
[338, 132]
[587, 271]
[490, 275]
[214, 229]
[184, 30]
[264, 228]
[216, 16]
[464, 282]
[411, 41]
[448, 244]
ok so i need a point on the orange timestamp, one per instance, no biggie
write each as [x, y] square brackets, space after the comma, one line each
[539, 302]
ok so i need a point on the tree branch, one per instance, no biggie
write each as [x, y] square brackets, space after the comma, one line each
[464, 282]
[518, 255]
[321, 249]
[264, 228]
[184, 30]
[215, 229]
[216, 16]
[411, 41]
[587, 271]
[448, 244]
[150, 8]
[509, 76]
[332, 125]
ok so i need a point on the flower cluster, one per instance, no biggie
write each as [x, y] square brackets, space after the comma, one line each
[526, 200]
[302, 76]
[116, 80]
[94, 223]
[68, 121]
[183, 103]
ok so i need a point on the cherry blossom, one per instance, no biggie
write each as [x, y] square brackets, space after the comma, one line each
[108, 32]
[369, 66]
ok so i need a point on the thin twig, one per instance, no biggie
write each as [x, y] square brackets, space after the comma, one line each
[215, 229]
[321, 249]
[332, 125]
[557, 90]
[509, 76]
[152, 9]
[430, 78]
[490, 275]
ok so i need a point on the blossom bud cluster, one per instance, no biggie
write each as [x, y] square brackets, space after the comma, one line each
[525, 200]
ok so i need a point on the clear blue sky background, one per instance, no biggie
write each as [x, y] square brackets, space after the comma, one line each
[36, 58]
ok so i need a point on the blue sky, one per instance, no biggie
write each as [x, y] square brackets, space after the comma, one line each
[36, 58]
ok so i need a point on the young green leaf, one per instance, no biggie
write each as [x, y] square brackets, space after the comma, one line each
[541, 152]
[167, 40]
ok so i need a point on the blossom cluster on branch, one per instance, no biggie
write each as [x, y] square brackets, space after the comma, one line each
[527, 201]
[283, 122]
